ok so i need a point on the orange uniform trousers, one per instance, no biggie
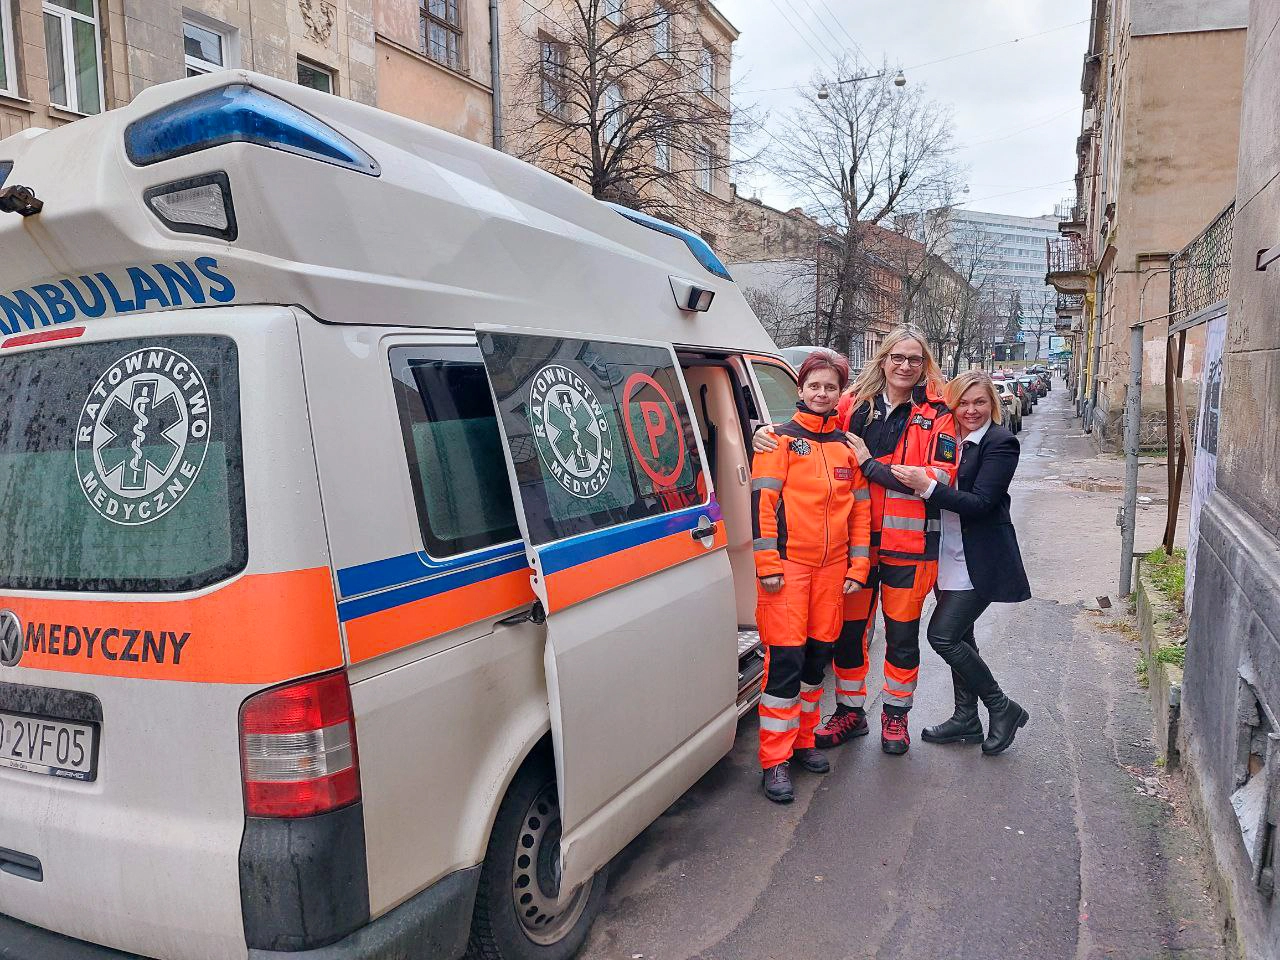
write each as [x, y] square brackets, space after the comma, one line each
[900, 588]
[798, 626]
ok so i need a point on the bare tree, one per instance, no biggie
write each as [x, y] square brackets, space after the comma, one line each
[625, 99]
[1039, 315]
[861, 153]
[779, 315]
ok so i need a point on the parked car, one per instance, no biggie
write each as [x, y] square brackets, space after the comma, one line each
[796, 355]
[1012, 405]
[1033, 386]
[1023, 394]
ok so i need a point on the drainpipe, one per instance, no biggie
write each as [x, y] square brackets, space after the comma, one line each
[495, 73]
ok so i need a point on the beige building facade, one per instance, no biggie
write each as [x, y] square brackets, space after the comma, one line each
[65, 59]
[1156, 161]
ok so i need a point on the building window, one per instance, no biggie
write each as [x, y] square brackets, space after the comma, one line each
[612, 113]
[207, 46]
[662, 30]
[315, 76]
[707, 71]
[72, 45]
[662, 154]
[8, 68]
[554, 98]
[441, 26]
[706, 165]
[612, 10]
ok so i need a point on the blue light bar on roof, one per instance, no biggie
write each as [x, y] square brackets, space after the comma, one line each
[697, 246]
[239, 113]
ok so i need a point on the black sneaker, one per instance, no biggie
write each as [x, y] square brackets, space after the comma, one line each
[777, 783]
[812, 760]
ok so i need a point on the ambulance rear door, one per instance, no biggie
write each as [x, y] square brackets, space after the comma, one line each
[627, 547]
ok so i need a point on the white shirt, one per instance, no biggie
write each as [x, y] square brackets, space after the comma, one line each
[953, 571]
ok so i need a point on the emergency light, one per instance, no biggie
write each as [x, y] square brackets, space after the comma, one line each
[239, 113]
[697, 246]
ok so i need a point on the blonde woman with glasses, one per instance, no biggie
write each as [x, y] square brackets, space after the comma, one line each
[892, 414]
[979, 561]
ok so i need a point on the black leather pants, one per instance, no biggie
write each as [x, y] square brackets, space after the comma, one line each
[951, 635]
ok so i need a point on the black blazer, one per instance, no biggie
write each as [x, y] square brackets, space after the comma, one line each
[981, 498]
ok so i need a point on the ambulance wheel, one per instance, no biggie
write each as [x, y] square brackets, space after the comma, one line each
[515, 915]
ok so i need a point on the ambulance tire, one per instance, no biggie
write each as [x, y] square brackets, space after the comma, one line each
[512, 919]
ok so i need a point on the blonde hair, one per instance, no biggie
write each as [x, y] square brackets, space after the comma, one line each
[957, 388]
[871, 381]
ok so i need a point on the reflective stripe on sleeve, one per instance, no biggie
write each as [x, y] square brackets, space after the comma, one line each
[862, 493]
[899, 523]
[899, 495]
[766, 483]
[773, 725]
[765, 543]
[856, 553]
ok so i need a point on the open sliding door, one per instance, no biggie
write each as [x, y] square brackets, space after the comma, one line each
[627, 548]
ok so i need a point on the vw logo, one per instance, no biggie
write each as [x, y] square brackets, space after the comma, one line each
[11, 639]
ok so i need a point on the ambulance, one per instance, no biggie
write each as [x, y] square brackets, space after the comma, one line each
[375, 544]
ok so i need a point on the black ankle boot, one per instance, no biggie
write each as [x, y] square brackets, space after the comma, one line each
[811, 760]
[964, 725]
[1004, 724]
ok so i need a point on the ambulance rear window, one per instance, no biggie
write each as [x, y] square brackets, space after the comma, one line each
[120, 466]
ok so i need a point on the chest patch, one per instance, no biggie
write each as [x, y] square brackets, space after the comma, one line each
[801, 447]
[945, 451]
[921, 421]
[844, 473]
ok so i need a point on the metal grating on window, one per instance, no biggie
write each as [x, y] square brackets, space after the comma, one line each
[1201, 271]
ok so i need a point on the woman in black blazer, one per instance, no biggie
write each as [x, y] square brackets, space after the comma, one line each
[979, 562]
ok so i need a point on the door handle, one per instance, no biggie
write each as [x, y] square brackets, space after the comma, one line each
[21, 865]
[702, 533]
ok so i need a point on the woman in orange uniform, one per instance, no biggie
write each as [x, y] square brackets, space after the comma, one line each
[811, 513]
[894, 414]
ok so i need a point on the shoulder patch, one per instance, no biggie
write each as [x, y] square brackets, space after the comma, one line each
[945, 450]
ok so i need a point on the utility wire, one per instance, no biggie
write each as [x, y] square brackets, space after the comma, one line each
[930, 63]
[1014, 133]
[790, 22]
[836, 20]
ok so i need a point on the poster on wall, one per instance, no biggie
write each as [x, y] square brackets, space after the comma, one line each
[1205, 463]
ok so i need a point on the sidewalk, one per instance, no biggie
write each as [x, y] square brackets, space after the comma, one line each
[1072, 846]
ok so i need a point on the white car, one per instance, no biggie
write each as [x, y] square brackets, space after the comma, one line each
[1012, 406]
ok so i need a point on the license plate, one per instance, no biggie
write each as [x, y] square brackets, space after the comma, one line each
[56, 748]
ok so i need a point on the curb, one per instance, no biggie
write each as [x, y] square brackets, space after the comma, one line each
[1165, 679]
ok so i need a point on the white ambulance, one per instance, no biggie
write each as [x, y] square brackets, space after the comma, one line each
[305, 651]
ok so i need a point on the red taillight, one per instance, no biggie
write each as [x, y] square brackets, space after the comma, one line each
[298, 749]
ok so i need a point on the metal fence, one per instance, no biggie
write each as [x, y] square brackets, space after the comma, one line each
[1201, 271]
[1067, 254]
[1067, 302]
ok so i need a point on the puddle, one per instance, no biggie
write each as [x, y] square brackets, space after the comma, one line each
[1092, 485]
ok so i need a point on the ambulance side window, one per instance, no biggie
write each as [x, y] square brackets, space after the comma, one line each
[599, 432]
[454, 450]
[779, 388]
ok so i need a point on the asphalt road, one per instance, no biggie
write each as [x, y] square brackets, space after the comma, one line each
[1072, 845]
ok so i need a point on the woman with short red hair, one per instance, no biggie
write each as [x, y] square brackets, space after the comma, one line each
[811, 513]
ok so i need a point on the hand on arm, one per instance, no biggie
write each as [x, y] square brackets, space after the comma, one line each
[990, 484]
[765, 439]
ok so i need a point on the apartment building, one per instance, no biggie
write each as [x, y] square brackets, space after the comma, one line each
[1156, 161]
[1007, 254]
[65, 59]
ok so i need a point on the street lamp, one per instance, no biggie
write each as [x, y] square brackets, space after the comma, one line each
[899, 80]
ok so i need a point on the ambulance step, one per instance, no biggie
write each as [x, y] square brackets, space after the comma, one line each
[750, 669]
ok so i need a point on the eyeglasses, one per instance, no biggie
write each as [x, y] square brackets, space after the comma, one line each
[898, 359]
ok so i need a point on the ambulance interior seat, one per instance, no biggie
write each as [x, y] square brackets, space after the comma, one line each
[715, 408]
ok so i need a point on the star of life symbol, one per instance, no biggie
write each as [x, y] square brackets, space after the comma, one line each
[573, 435]
[800, 447]
[142, 436]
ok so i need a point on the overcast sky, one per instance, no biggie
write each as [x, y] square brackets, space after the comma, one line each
[1016, 106]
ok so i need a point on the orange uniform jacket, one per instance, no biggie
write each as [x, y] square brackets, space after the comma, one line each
[810, 502]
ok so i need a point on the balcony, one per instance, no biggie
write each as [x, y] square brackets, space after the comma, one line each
[1069, 264]
[1070, 306]
[1200, 272]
